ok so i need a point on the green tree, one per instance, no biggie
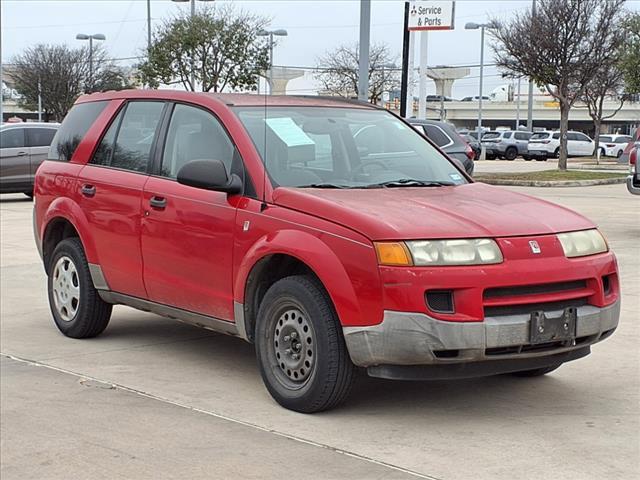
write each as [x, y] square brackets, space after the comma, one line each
[61, 74]
[216, 49]
[630, 58]
[562, 47]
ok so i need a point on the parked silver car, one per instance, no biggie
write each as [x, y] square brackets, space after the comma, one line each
[633, 180]
[505, 144]
[23, 147]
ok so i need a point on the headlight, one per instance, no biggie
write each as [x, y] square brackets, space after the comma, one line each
[480, 251]
[582, 243]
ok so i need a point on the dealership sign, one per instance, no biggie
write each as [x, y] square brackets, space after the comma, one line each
[428, 15]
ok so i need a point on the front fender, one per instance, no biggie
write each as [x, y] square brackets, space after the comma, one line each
[319, 257]
[65, 208]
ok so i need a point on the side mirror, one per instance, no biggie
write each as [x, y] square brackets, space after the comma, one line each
[209, 175]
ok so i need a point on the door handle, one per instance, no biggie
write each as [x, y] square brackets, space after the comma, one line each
[88, 190]
[158, 202]
[21, 154]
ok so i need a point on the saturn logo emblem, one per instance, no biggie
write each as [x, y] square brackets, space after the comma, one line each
[535, 248]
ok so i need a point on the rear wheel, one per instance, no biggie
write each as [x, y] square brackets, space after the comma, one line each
[536, 372]
[527, 158]
[619, 153]
[511, 153]
[301, 352]
[491, 157]
[556, 153]
[77, 309]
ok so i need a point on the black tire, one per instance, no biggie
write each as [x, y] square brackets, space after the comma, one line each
[90, 315]
[511, 153]
[491, 157]
[619, 154]
[527, 158]
[536, 372]
[329, 375]
[556, 153]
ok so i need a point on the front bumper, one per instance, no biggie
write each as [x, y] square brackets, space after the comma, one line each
[418, 339]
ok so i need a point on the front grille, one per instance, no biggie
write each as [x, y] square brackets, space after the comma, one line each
[534, 289]
[525, 299]
[527, 308]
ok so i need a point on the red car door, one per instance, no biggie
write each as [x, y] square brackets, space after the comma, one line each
[188, 233]
[111, 186]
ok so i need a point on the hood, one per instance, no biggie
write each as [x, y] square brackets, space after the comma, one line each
[464, 211]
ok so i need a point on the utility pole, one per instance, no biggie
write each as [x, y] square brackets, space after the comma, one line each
[39, 100]
[365, 28]
[518, 105]
[481, 81]
[530, 99]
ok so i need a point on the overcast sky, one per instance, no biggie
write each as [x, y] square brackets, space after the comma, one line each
[314, 27]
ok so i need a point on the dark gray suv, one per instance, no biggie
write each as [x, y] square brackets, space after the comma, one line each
[23, 147]
[445, 136]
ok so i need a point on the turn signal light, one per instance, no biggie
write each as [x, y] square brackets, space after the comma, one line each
[393, 254]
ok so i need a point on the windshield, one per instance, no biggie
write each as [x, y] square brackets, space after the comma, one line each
[539, 136]
[343, 148]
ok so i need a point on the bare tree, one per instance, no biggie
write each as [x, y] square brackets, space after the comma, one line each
[219, 46]
[60, 75]
[562, 47]
[607, 83]
[338, 71]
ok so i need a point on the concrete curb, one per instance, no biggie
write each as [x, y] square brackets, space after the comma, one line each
[553, 183]
[617, 167]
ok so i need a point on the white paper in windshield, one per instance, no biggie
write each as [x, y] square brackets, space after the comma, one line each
[289, 131]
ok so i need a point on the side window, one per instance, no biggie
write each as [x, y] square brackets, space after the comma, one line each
[437, 135]
[40, 137]
[556, 136]
[521, 136]
[572, 136]
[73, 128]
[582, 137]
[103, 153]
[12, 138]
[135, 136]
[194, 134]
[507, 134]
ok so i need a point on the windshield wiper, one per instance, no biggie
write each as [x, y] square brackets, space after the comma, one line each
[322, 185]
[410, 182]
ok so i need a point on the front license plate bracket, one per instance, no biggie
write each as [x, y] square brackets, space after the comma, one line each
[545, 329]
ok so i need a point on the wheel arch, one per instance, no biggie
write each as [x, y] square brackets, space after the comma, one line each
[65, 219]
[274, 257]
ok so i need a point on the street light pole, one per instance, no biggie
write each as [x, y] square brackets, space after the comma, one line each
[148, 27]
[482, 27]
[91, 38]
[270, 33]
[530, 99]
[363, 61]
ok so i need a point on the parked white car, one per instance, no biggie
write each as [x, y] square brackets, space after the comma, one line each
[613, 145]
[543, 145]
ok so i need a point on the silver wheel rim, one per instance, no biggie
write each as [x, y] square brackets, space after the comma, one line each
[66, 288]
[294, 345]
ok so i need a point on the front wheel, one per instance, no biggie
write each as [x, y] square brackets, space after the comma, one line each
[77, 309]
[301, 352]
[511, 154]
[556, 153]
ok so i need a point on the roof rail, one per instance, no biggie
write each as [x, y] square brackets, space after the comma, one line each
[351, 101]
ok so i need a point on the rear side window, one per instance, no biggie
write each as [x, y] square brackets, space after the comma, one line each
[581, 137]
[556, 136]
[12, 138]
[73, 128]
[40, 137]
[572, 136]
[506, 134]
[135, 136]
[437, 135]
[539, 136]
[102, 155]
[522, 136]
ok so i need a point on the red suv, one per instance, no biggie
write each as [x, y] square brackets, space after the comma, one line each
[329, 233]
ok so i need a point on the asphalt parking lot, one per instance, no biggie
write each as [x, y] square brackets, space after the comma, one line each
[153, 398]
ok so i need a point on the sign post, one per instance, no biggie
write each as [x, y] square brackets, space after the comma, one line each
[428, 15]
